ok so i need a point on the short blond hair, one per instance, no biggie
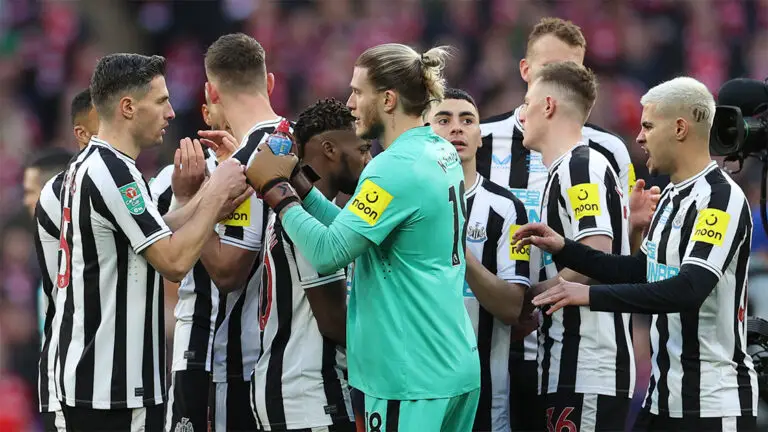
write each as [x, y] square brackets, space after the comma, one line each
[566, 31]
[684, 96]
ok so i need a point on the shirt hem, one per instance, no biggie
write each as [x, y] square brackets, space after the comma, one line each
[703, 414]
[306, 424]
[102, 405]
[239, 244]
[703, 264]
[415, 395]
[151, 240]
[592, 232]
[589, 390]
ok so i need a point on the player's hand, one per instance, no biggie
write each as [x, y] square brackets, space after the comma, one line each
[189, 169]
[642, 205]
[228, 181]
[233, 203]
[221, 142]
[563, 294]
[525, 325]
[539, 235]
[266, 166]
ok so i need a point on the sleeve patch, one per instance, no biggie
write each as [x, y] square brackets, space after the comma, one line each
[133, 199]
[585, 200]
[711, 226]
[241, 216]
[369, 204]
[514, 255]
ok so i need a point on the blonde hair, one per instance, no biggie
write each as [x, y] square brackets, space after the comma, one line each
[417, 78]
[684, 96]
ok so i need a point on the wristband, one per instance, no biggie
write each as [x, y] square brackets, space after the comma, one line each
[278, 193]
[302, 179]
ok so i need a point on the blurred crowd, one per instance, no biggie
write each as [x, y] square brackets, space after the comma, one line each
[48, 50]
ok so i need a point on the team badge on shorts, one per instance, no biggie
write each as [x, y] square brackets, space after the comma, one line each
[133, 198]
[184, 425]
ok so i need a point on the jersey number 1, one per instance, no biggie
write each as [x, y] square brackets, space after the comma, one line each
[459, 235]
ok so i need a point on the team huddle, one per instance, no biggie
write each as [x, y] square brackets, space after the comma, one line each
[482, 275]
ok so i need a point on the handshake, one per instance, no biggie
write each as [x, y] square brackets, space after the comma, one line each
[275, 179]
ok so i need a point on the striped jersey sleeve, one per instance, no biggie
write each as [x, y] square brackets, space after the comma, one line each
[512, 266]
[160, 188]
[584, 190]
[722, 224]
[245, 227]
[310, 278]
[127, 198]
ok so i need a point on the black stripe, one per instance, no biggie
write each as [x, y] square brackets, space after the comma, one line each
[520, 165]
[234, 342]
[552, 207]
[594, 145]
[282, 302]
[334, 394]
[148, 358]
[244, 153]
[164, 201]
[122, 176]
[616, 213]
[50, 311]
[739, 355]
[119, 386]
[484, 156]
[393, 416]
[45, 221]
[494, 229]
[57, 185]
[664, 201]
[86, 367]
[200, 333]
[160, 341]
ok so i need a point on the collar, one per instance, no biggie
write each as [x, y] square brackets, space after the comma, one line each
[557, 161]
[689, 181]
[100, 142]
[475, 186]
[273, 122]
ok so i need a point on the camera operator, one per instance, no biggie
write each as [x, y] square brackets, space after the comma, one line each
[690, 272]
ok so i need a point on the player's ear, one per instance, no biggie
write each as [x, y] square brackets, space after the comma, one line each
[127, 107]
[81, 135]
[270, 83]
[525, 69]
[206, 114]
[682, 128]
[550, 105]
[389, 98]
[329, 149]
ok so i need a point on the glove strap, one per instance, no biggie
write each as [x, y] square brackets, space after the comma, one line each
[278, 193]
[302, 179]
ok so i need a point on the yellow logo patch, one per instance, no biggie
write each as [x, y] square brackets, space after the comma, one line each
[711, 226]
[514, 255]
[632, 177]
[241, 216]
[585, 200]
[370, 202]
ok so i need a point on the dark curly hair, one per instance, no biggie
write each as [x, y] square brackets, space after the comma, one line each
[119, 74]
[323, 116]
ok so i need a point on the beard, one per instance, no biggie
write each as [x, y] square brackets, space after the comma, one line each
[346, 181]
[375, 126]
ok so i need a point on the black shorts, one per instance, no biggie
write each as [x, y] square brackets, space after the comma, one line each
[188, 403]
[525, 410]
[572, 412]
[53, 421]
[147, 419]
[651, 422]
[358, 408]
[231, 407]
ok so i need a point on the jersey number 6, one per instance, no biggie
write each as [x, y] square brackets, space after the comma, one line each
[459, 204]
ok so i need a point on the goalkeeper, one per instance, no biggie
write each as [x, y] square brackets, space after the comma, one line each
[410, 344]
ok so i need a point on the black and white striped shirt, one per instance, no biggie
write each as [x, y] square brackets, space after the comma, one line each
[109, 310]
[494, 214]
[297, 382]
[579, 350]
[700, 366]
[195, 311]
[47, 218]
[236, 340]
[505, 161]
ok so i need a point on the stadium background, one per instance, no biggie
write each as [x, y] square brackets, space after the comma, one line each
[48, 49]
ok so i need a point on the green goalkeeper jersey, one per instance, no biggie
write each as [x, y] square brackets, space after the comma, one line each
[408, 332]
